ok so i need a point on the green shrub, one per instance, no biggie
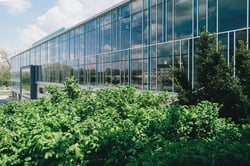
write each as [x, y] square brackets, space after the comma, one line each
[117, 127]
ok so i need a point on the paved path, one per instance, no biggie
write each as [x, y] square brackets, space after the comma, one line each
[4, 99]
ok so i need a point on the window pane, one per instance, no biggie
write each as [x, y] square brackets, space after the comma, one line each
[137, 30]
[169, 19]
[202, 15]
[113, 36]
[153, 67]
[212, 16]
[125, 11]
[145, 27]
[137, 6]
[25, 81]
[183, 19]
[116, 73]
[125, 33]
[106, 38]
[177, 53]
[232, 14]
[164, 63]
[223, 38]
[159, 23]
[145, 68]
[153, 27]
[124, 67]
[136, 73]
[241, 35]
[184, 56]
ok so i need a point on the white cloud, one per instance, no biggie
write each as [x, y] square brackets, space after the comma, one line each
[65, 14]
[30, 34]
[16, 6]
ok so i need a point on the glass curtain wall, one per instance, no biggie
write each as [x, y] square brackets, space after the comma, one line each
[137, 43]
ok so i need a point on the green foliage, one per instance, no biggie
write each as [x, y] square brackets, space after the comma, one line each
[57, 95]
[182, 86]
[242, 66]
[71, 88]
[117, 127]
[214, 80]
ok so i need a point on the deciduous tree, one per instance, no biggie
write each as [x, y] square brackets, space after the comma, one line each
[4, 68]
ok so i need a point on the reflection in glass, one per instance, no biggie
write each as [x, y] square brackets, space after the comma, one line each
[100, 70]
[136, 68]
[164, 63]
[202, 15]
[94, 40]
[136, 73]
[177, 53]
[145, 68]
[105, 47]
[81, 76]
[118, 34]
[137, 30]
[136, 53]
[25, 81]
[92, 73]
[159, 23]
[153, 24]
[113, 35]
[125, 33]
[241, 35]
[195, 76]
[212, 10]
[124, 68]
[231, 46]
[164, 73]
[116, 73]
[125, 11]
[122, 47]
[185, 55]
[153, 74]
[195, 15]
[232, 14]
[145, 27]
[153, 67]
[44, 73]
[183, 19]
[169, 20]
[223, 38]
[136, 6]
[107, 69]
[71, 48]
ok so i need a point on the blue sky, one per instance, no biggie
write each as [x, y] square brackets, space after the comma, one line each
[26, 21]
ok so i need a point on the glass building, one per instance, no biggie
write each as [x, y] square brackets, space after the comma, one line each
[133, 43]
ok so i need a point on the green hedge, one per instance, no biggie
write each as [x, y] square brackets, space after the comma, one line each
[118, 127]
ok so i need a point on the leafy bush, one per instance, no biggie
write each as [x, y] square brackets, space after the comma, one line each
[117, 127]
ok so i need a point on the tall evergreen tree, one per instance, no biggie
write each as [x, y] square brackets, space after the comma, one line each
[182, 86]
[214, 80]
[242, 66]
[212, 70]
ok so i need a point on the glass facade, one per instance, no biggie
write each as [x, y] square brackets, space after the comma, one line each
[136, 43]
